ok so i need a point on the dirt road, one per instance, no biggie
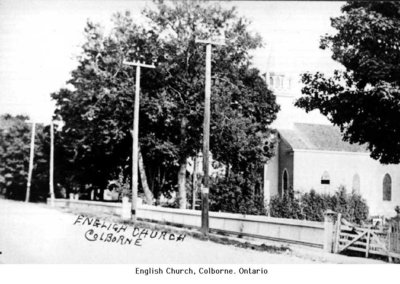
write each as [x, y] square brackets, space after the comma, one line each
[34, 233]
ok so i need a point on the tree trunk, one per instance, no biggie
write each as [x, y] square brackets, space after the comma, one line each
[147, 192]
[182, 184]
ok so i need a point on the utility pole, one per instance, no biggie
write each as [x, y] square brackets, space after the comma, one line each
[206, 137]
[194, 183]
[51, 174]
[28, 188]
[135, 136]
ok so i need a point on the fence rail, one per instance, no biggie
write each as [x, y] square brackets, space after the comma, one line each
[302, 232]
[366, 240]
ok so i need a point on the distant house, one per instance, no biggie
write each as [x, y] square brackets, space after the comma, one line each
[314, 156]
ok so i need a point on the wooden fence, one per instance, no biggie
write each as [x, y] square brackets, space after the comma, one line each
[334, 235]
[286, 230]
[394, 235]
[367, 240]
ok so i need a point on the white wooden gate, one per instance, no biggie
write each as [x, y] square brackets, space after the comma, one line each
[366, 240]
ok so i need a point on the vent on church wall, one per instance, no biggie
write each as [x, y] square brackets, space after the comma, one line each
[325, 179]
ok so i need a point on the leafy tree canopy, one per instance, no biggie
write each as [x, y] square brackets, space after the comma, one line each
[98, 111]
[364, 100]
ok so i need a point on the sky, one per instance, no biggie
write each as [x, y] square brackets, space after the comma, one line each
[40, 40]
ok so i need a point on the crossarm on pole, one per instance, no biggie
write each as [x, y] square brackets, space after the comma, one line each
[214, 42]
[137, 63]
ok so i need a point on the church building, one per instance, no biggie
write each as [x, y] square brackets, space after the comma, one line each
[311, 154]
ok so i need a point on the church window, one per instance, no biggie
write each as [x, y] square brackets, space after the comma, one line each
[285, 180]
[325, 179]
[356, 184]
[387, 188]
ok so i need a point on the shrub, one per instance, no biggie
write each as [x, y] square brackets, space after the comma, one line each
[357, 209]
[312, 205]
[287, 206]
[236, 194]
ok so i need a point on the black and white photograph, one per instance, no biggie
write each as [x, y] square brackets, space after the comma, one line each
[199, 138]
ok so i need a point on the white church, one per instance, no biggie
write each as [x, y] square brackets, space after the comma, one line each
[312, 155]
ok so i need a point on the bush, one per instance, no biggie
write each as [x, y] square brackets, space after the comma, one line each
[286, 206]
[357, 209]
[312, 205]
[236, 194]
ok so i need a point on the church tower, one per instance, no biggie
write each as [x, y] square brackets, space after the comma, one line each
[287, 89]
[284, 79]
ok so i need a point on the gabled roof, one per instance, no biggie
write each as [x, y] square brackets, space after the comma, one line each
[321, 137]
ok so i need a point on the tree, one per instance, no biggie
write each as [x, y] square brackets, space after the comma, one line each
[98, 111]
[15, 138]
[241, 138]
[242, 142]
[363, 100]
[235, 84]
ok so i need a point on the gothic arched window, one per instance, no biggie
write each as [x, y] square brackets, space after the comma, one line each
[356, 184]
[285, 181]
[387, 188]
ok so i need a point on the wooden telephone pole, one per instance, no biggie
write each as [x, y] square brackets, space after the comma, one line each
[135, 136]
[51, 174]
[206, 137]
[28, 187]
[194, 181]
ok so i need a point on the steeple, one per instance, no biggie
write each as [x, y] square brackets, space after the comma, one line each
[287, 89]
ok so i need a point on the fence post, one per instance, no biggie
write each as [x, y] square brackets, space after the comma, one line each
[337, 233]
[329, 230]
[368, 242]
[126, 209]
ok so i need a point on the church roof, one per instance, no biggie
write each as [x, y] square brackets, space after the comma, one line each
[321, 137]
